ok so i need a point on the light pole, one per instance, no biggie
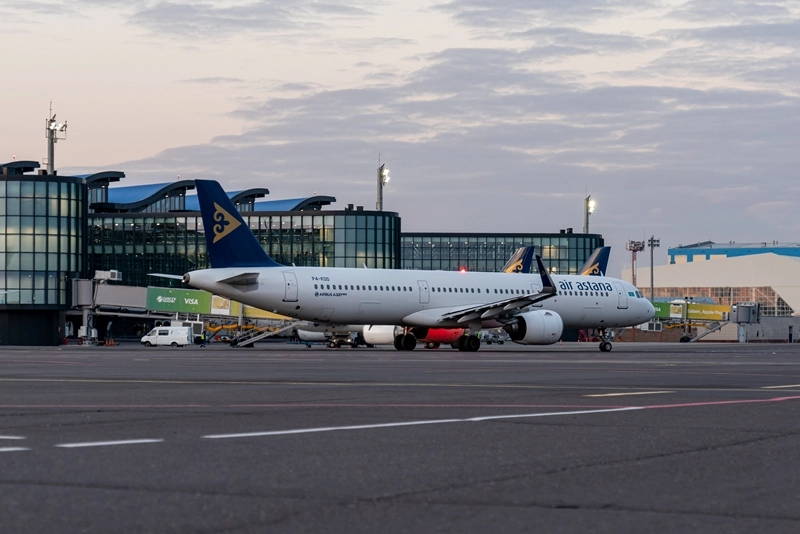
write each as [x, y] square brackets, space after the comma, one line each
[588, 209]
[383, 179]
[652, 243]
[54, 132]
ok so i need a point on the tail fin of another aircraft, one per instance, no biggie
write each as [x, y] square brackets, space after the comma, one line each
[520, 262]
[597, 263]
[228, 238]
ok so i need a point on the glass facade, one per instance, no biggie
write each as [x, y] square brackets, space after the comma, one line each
[562, 253]
[41, 238]
[174, 243]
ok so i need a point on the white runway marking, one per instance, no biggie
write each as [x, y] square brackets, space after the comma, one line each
[11, 437]
[782, 387]
[13, 449]
[414, 423]
[628, 393]
[108, 443]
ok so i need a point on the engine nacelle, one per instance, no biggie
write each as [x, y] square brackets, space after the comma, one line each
[538, 327]
[381, 334]
[308, 335]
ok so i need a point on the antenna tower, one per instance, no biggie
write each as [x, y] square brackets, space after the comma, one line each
[634, 247]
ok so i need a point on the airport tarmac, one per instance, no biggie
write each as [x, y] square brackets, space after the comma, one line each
[283, 438]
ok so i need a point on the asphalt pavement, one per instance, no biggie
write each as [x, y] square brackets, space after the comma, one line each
[285, 438]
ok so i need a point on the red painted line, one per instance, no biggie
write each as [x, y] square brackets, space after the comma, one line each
[720, 403]
[299, 405]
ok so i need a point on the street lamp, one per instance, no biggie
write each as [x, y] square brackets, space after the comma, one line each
[383, 179]
[588, 209]
[652, 243]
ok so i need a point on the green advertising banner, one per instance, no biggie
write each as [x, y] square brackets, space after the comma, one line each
[178, 300]
[696, 312]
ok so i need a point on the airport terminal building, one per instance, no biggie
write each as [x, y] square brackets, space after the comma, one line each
[60, 229]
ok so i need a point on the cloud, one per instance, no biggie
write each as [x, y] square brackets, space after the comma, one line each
[515, 13]
[493, 138]
[211, 21]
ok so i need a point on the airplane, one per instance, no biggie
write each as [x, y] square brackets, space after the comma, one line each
[532, 308]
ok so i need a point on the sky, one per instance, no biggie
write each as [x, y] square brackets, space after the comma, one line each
[680, 118]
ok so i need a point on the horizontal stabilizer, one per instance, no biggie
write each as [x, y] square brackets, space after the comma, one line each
[172, 276]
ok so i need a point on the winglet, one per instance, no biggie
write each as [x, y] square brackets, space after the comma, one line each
[228, 238]
[547, 283]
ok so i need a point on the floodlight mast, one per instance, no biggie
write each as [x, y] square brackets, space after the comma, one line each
[383, 179]
[52, 129]
[588, 209]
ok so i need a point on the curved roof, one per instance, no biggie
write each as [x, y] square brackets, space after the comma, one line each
[107, 176]
[193, 204]
[137, 197]
[18, 167]
[295, 204]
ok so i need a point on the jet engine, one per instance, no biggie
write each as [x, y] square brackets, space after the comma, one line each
[381, 334]
[538, 327]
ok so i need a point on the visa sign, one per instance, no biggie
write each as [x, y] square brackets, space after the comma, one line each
[178, 300]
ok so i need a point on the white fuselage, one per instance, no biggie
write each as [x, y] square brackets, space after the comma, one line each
[419, 298]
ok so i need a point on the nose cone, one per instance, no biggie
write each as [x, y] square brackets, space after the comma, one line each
[649, 310]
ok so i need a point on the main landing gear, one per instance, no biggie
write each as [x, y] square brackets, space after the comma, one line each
[405, 342]
[469, 343]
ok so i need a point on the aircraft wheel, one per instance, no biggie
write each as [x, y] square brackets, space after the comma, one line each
[472, 343]
[409, 342]
[462, 343]
[605, 346]
[398, 341]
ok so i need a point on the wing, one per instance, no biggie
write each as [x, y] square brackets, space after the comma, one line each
[510, 305]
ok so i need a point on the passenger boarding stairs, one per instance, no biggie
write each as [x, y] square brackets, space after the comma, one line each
[248, 337]
[712, 327]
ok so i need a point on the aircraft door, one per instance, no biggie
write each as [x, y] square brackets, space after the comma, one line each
[622, 296]
[290, 287]
[424, 292]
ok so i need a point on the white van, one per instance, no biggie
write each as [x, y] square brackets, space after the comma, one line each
[176, 336]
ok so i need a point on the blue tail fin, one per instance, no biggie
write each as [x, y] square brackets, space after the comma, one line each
[520, 262]
[228, 238]
[597, 263]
